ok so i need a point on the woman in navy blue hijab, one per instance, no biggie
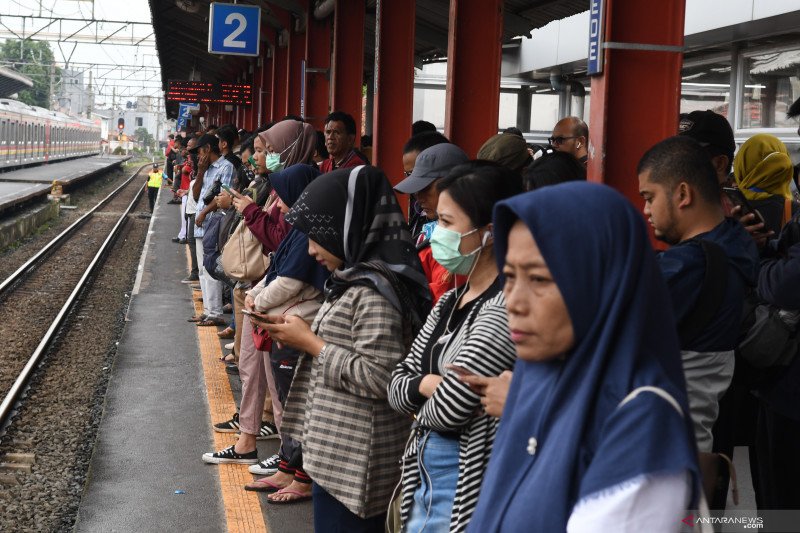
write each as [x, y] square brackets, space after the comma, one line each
[595, 434]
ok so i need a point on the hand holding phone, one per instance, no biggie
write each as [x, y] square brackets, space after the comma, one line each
[738, 199]
[230, 191]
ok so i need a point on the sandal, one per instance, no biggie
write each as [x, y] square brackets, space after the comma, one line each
[197, 318]
[211, 322]
[228, 358]
[227, 333]
[263, 485]
[301, 497]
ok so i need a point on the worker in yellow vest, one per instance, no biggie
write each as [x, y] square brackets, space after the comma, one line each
[153, 184]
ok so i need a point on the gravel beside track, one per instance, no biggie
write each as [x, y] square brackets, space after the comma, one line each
[84, 197]
[27, 311]
[58, 420]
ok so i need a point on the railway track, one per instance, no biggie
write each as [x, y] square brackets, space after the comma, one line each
[38, 297]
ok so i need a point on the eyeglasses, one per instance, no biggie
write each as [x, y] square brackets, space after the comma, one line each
[558, 141]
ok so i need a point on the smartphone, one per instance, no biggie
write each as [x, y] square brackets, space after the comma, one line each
[460, 370]
[737, 198]
[249, 312]
[229, 190]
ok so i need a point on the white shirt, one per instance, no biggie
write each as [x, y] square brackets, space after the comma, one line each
[652, 503]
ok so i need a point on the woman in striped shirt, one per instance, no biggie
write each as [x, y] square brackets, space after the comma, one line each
[466, 333]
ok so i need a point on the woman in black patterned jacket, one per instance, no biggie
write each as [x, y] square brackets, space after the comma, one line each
[466, 333]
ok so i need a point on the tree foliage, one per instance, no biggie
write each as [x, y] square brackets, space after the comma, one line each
[144, 137]
[32, 59]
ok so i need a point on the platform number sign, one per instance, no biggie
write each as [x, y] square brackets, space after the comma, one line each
[234, 29]
[596, 23]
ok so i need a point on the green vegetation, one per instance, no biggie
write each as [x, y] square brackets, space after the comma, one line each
[33, 59]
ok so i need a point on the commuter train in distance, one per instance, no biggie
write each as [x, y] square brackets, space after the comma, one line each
[31, 135]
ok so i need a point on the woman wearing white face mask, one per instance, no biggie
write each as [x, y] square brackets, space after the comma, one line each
[466, 333]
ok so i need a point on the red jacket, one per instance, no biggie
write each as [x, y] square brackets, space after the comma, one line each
[269, 227]
[439, 279]
[353, 159]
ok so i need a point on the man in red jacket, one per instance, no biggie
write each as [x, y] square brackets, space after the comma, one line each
[340, 139]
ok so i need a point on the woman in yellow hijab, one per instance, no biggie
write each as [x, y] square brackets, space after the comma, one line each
[763, 172]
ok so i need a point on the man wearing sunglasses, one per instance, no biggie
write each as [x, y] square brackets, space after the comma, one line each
[571, 135]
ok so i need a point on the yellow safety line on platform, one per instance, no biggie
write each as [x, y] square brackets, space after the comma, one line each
[242, 508]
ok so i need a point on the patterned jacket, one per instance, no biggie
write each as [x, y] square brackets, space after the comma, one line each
[337, 408]
[483, 346]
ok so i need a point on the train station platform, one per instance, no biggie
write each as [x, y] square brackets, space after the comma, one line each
[17, 186]
[167, 388]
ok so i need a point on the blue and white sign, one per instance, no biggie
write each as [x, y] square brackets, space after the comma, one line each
[234, 29]
[185, 114]
[596, 27]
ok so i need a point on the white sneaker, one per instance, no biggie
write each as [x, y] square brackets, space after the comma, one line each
[267, 467]
[229, 346]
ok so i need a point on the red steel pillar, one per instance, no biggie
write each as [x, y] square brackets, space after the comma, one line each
[318, 64]
[280, 62]
[264, 102]
[348, 59]
[474, 47]
[393, 105]
[296, 54]
[636, 100]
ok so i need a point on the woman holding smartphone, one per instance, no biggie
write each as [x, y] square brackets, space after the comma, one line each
[375, 300]
[466, 333]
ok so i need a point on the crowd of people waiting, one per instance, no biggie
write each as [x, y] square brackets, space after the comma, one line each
[513, 354]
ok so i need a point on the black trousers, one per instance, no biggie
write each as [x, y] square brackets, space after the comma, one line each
[331, 516]
[777, 450]
[283, 362]
[152, 192]
[190, 240]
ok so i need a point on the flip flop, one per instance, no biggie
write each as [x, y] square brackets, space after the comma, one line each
[225, 359]
[263, 485]
[211, 322]
[302, 497]
[196, 318]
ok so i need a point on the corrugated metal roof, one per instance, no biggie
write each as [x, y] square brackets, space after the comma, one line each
[181, 36]
[12, 82]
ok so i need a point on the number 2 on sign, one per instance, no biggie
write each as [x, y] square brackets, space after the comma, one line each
[230, 40]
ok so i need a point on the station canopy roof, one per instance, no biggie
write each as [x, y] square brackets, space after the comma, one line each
[181, 33]
[12, 82]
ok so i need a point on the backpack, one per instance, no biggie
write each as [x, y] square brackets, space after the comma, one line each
[769, 335]
[211, 250]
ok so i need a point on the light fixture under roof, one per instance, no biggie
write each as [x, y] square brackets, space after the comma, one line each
[190, 6]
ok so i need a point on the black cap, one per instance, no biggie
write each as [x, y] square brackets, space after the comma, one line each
[206, 139]
[709, 129]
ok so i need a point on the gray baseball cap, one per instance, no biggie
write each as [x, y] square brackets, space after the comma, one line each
[432, 163]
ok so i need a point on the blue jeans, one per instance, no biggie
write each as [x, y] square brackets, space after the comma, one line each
[437, 460]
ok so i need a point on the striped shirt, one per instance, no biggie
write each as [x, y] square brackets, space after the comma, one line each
[482, 344]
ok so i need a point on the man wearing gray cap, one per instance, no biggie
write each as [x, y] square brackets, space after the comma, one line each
[431, 164]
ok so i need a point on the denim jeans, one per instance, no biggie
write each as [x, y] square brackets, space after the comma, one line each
[437, 460]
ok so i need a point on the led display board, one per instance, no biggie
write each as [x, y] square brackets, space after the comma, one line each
[218, 93]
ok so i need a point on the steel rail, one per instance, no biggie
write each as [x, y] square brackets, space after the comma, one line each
[16, 390]
[34, 261]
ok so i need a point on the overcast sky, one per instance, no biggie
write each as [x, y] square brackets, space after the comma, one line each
[116, 10]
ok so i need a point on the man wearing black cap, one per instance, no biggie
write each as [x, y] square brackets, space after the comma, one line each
[715, 134]
[212, 168]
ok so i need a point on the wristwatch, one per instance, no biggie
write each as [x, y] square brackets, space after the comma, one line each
[322, 352]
